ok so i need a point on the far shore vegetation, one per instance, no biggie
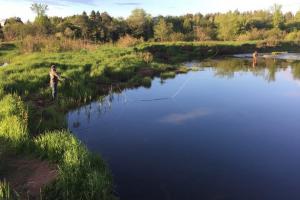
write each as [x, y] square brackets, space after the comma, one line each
[140, 26]
[97, 54]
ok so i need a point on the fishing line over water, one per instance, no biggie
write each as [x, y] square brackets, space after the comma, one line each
[175, 94]
[105, 105]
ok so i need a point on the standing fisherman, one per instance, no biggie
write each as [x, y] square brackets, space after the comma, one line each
[54, 78]
[255, 55]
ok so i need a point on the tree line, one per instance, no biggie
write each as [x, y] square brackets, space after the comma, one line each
[270, 24]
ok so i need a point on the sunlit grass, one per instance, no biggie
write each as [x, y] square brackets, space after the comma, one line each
[5, 191]
[82, 175]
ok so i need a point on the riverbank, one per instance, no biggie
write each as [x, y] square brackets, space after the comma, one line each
[33, 124]
[176, 52]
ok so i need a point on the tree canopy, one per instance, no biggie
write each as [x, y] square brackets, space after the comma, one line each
[102, 27]
[39, 9]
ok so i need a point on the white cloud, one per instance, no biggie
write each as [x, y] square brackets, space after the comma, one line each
[179, 118]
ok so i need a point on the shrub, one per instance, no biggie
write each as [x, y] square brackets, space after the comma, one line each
[203, 34]
[147, 57]
[128, 41]
[274, 34]
[253, 34]
[177, 37]
[293, 36]
[52, 44]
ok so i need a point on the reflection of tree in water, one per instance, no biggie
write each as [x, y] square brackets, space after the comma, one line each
[266, 67]
[227, 67]
[224, 67]
[295, 68]
[102, 106]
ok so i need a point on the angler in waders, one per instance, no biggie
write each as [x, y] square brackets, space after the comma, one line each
[54, 78]
[254, 58]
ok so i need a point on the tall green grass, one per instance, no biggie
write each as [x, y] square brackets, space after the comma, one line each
[82, 175]
[13, 120]
[5, 191]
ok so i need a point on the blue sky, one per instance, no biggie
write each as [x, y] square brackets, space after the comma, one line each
[122, 8]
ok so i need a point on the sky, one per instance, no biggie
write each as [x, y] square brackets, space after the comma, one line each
[123, 8]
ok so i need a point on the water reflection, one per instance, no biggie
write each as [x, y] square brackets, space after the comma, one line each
[266, 68]
[228, 131]
[180, 118]
[100, 107]
[227, 67]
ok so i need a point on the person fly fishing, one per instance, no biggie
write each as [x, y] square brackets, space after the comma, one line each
[255, 56]
[54, 78]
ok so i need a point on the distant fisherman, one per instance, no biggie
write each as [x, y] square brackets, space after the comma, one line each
[54, 78]
[255, 55]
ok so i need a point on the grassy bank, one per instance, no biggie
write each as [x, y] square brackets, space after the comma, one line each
[31, 123]
[82, 175]
[174, 52]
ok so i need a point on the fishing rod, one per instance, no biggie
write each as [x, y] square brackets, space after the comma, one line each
[117, 85]
[90, 81]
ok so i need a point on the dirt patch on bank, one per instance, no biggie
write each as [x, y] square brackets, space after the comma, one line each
[27, 176]
[146, 72]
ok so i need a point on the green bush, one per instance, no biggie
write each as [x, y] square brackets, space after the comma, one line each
[253, 34]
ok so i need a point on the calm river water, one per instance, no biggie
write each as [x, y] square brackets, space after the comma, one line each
[228, 131]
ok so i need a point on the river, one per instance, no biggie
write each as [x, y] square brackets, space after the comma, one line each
[227, 131]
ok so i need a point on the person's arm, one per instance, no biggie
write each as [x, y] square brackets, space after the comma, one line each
[57, 76]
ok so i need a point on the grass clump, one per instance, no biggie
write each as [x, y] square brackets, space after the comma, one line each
[195, 69]
[137, 81]
[82, 175]
[146, 82]
[6, 192]
[129, 41]
[183, 70]
[278, 52]
[167, 75]
[13, 120]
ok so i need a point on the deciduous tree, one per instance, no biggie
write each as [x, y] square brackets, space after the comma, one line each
[278, 18]
[139, 23]
[163, 30]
